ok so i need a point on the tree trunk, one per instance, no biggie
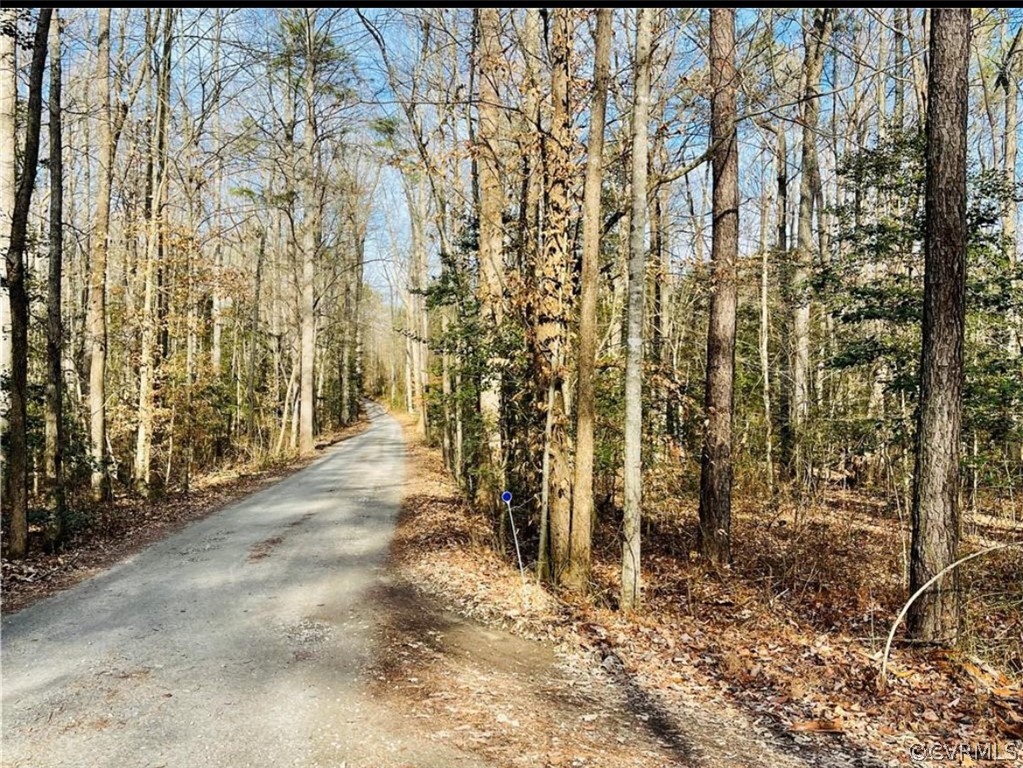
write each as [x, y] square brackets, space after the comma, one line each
[344, 359]
[218, 259]
[53, 470]
[716, 470]
[310, 246]
[1010, 140]
[415, 311]
[8, 191]
[764, 350]
[491, 255]
[96, 320]
[935, 616]
[813, 62]
[16, 499]
[250, 387]
[160, 180]
[578, 573]
[633, 473]
[553, 297]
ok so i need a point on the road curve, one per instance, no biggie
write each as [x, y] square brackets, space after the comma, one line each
[243, 640]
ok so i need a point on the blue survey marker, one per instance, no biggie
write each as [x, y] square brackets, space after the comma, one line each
[506, 497]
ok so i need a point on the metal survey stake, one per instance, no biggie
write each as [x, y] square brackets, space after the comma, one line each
[506, 497]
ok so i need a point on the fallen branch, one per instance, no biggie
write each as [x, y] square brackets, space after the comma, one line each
[882, 677]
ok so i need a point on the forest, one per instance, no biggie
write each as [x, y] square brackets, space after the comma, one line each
[686, 300]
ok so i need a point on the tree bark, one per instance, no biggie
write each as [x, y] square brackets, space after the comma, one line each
[935, 616]
[1010, 140]
[764, 350]
[578, 573]
[633, 472]
[96, 320]
[16, 498]
[554, 296]
[250, 387]
[815, 40]
[53, 456]
[8, 191]
[310, 244]
[160, 180]
[218, 259]
[491, 255]
[716, 468]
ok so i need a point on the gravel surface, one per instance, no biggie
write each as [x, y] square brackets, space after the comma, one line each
[244, 640]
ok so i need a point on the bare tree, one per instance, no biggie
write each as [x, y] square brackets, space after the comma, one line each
[8, 190]
[158, 195]
[491, 248]
[53, 455]
[815, 39]
[96, 321]
[16, 499]
[716, 474]
[578, 572]
[554, 295]
[311, 234]
[633, 475]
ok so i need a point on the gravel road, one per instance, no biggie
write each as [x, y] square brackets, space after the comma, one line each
[244, 640]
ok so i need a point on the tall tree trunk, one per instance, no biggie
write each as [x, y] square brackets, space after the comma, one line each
[16, 498]
[216, 299]
[415, 310]
[764, 350]
[8, 191]
[578, 573]
[1010, 140]
[53, 470]
[160, 180]
[935, 616]
[716, 471]
[250, 387]
[554, 296]
[491, 254]
[96, 320]
[358, 389]
[814, 41]
[344, 359]
[310, 245]
[422, 327]
[633, 473]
